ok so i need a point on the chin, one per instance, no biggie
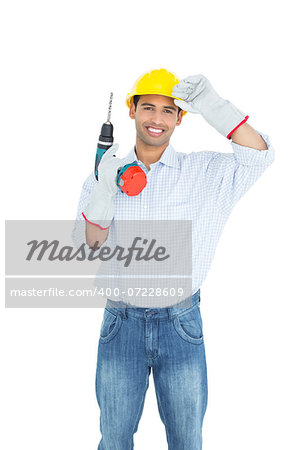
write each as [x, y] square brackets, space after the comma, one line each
[155, 142]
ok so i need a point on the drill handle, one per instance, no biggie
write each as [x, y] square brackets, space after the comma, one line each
[101, 149]
[105, 141]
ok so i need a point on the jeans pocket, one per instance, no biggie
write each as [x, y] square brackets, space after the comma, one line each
[110, 326]
[188, 325]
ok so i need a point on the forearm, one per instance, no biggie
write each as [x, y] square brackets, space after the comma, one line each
[93, 234]
[248, 137]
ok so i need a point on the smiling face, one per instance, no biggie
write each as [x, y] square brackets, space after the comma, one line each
[155, 119]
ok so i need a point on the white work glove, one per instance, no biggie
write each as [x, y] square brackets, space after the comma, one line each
[199, 97]
[99, 211]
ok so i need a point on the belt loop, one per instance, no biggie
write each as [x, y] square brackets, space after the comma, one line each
[126, 312]
[170, 314]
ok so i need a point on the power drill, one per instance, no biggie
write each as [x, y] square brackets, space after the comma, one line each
[131, 179]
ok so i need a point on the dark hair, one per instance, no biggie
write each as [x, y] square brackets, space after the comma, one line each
[137, 97]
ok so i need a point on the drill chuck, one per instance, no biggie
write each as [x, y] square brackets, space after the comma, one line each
[106, 135]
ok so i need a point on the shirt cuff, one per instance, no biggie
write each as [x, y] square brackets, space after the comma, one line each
[249, 156]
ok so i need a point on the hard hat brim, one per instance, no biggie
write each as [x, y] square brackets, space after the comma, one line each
[129, 98]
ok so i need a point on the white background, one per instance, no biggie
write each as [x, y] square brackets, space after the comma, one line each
[60, 60]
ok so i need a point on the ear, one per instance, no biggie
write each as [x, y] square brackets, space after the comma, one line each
[179, 118]
[132, 111]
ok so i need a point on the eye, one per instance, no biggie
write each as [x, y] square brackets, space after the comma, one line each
[169, 111]
[148, 107]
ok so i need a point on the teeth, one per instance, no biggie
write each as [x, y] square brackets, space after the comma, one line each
[154, 130]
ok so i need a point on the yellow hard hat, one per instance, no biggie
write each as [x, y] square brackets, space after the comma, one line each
[157, 81]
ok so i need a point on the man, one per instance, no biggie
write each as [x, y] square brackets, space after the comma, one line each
[200, 186]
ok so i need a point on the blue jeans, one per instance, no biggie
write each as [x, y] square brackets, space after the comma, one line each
[168, 340]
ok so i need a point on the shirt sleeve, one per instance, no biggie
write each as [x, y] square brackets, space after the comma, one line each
[230, 175]
[86, 192]
[79, 228]
[78, 233]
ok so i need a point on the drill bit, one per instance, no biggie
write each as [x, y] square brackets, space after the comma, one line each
[109, 107]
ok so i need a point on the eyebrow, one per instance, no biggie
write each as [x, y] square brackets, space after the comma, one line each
[150, 104]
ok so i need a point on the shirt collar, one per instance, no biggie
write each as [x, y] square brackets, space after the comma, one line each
[168, 157]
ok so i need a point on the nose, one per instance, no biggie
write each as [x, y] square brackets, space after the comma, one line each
[156, 118]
